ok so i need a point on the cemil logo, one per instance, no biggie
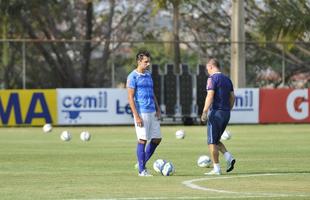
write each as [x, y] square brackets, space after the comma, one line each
[73, 106]
[297, 104]
[244, 101]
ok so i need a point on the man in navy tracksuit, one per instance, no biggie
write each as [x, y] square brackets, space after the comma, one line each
[218, 104]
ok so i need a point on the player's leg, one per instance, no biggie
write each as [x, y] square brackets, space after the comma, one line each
[151, 147]
[142, 140]
[224, 151]
[230, 160]
[215, 157]
[221, 147]
[227, 155]
[213, 139]
[155, 135]
[141, 154]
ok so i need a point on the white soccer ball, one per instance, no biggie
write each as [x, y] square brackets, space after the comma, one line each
[168, 169]
[47, 128]
[158, 165]
[85, 136]
[204, 161]
[226, 135]
[65, 136]
[180, 134]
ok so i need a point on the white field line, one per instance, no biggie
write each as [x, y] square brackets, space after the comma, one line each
[189, 198]
[190, 184]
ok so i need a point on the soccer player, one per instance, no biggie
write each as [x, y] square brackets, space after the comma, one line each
[218, 104]
[145, 110]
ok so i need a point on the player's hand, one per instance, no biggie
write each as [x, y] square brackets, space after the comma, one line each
[139, 121]
[158, 115]
[204, 116]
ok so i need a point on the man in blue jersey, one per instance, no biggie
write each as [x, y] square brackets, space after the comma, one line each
[145, 110]
[218, 103]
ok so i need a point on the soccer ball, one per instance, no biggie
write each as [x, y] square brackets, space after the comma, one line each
[65, 136]
[180, 134]
[85, 136]
[47, 128]
[204, 161]
[226, 135]
[158, 165]
[168, 169]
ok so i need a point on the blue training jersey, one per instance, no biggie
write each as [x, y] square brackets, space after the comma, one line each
[144, 94]
[222, 87]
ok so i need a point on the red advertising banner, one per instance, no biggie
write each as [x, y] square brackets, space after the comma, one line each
[284, 105]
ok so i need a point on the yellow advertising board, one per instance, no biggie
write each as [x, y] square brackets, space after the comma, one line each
[28, 107]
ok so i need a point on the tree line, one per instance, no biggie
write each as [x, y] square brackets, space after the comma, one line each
[81, 43]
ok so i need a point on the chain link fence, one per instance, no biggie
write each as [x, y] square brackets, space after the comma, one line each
[35, 64]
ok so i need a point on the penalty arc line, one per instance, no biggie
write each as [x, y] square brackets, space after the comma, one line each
[190, 184]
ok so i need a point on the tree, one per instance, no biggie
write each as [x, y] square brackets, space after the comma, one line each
[75, 43]
[207, 23]
[67, 34]
[123, 21]
[288, 23]
[163, 4]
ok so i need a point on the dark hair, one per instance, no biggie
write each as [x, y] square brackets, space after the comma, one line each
[215, 62]
[141, 54]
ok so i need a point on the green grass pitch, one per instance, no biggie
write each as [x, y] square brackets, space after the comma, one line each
[273, 162]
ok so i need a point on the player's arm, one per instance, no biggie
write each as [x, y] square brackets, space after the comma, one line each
[131, 94]
[208, 102]
[232, 99]
[158, 111]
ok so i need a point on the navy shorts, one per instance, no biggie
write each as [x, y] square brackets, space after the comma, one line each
[217, 122]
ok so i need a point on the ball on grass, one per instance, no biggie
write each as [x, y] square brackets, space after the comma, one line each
[47, 128]
[226, 135]
[158, 165]
[65, 136]
[85, 136]
[204, 161]
[168, 169]
[180, 134]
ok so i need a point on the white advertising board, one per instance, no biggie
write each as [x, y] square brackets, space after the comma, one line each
[246, 108]
[93, 106]
[104, 106]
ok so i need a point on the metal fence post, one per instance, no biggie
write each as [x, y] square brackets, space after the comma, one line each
[283, 65]
[24, 63]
